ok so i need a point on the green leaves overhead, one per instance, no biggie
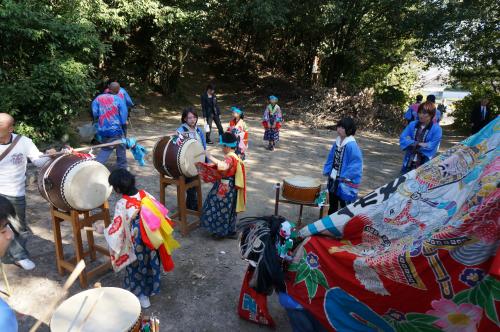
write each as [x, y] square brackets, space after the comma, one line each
[55, 55]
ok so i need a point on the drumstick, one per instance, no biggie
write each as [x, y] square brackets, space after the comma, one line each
[91, 310]
[117, 142]
[71, 279]
[7, 286]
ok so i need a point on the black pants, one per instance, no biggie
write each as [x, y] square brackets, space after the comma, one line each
[214, 117]
[335, 201]
[191, 196]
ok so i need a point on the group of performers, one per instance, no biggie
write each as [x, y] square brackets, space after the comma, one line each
[224, 201]
[138, 255]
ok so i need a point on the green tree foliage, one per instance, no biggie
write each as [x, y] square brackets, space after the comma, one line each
[466, 39]
[360, 41]
[46, 54]
[56, 55]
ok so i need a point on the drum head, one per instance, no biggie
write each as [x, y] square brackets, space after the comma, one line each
[303, 182]
[191, 152]
[86, 186]
[117, 310]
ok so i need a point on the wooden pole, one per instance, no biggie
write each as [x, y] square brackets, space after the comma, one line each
[277, 198]
[71, 279]
[117, 142]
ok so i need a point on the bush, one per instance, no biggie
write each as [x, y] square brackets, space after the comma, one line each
[43, 102]
[392, 95]
[464, 107]
[47, 60]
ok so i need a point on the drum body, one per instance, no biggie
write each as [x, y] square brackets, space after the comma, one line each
[175, 160]
[301, 189]
[70, 182]
[111, 310]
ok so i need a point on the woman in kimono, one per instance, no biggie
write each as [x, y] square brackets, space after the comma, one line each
[228, 194]
[272, 122]
[420, 139]
[344, 166]
[130, 240]
[239, 128]
[189, 129]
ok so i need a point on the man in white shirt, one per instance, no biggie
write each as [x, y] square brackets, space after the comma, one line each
[12, 185]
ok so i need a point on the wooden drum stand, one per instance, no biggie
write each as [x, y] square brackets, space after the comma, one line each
[77, 224]
[181, 216]
[323, 210]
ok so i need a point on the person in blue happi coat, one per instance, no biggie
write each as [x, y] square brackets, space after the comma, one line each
[420, 139]
[189, 129]
[344, 166]
[437, 117]
[411, 113]
[110, 114]
[116, 89]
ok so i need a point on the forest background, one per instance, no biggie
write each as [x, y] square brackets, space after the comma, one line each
[55, 56]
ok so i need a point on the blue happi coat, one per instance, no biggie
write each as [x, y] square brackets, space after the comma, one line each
[184, 128]
[432, 138]
[411, 113]
[351, 166]
[111, 115]
[123, 95]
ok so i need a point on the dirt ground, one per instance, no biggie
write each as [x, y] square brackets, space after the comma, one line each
[201, 294]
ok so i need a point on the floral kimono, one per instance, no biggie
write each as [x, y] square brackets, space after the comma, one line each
[226, 198]
[132, 244]
[240, 130]
[272, 116]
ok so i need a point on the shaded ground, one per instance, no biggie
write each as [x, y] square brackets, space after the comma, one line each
[201, 294]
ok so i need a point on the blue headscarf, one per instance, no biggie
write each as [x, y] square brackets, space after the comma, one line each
[228, 139]
[236, 110]
[273, 97]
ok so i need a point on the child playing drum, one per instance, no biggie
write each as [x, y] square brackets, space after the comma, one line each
[272, 122]
[344, 166]
[139, 237]
[239, 128]
[228, 194]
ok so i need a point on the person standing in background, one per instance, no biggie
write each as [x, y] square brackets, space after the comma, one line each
[111, 115]
[211, 111]
[480, 116]
[438, 116]
[411, 113]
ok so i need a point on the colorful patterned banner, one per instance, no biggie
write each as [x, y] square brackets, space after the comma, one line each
[415, 254]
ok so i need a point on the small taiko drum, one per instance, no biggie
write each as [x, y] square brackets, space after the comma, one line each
[301, 189]
[175, 158]
[105, 309]
[72, 182]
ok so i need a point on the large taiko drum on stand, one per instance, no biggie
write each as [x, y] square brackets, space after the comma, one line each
[106, 309]
[72, 182]
[174, 159]
[301, 189]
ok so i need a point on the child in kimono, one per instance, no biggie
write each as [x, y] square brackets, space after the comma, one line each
[344, 166]
[420, 139]
[228, 194]
[239, 128]
[134, 237]
[272, 122]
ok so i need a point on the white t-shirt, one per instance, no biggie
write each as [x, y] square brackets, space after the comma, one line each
[13, 166]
